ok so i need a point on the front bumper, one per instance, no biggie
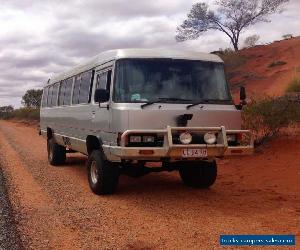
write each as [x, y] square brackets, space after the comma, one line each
[173, 152]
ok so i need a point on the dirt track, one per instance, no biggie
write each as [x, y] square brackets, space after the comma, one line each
[9, 236]
[56, 209]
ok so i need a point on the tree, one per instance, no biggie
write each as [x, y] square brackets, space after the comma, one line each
[32, 98]
[6, 108]
[251, 41]
[231, 17]
[6, 112]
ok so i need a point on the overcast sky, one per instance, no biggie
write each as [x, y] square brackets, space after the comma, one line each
[39, 39]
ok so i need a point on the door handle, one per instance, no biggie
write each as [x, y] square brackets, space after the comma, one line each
[104, 106]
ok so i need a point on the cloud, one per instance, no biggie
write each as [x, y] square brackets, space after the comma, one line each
[39, 39]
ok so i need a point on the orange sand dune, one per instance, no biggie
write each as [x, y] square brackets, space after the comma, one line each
[256, 75]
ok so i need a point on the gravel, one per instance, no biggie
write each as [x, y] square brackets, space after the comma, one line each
[55, 208]
[9, 237]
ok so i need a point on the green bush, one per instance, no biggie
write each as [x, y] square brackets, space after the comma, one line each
[294, 86]
[8, 112]
[266, 116]
[276, 63]
[26, 114]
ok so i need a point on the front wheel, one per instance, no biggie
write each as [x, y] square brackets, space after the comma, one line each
[102, 175]
[199, 174]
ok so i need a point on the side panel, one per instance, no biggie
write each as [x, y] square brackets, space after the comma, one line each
[72, 124]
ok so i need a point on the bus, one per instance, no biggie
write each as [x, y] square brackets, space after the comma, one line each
[126, 109]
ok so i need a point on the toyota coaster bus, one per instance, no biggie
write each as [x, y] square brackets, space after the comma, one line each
[127, 108]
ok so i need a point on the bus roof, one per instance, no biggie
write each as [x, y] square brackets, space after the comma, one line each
[112, 55]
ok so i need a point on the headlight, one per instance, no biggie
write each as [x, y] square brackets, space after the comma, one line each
[185, 138]
[135, 139]
[210, 138]
[231, 138]
[141, 139]
[148, 139]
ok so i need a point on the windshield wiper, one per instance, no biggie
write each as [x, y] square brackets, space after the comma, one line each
[164, 99]
[196, 103]
[212, 101]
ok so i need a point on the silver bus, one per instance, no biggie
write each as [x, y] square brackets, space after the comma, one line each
[128, 108]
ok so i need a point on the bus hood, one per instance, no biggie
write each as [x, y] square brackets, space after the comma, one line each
[159, 116]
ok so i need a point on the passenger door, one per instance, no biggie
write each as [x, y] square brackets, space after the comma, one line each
[101, 113]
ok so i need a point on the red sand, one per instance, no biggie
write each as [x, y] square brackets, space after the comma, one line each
[258, 77]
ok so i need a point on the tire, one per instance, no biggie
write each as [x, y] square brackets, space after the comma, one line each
[56, 153]
[103, 176]
[199, 174]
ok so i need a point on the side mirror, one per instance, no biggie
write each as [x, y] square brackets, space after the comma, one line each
[101, 95]
[242, 98]
[243, 94]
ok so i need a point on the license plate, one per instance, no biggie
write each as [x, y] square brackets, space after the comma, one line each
[194, 152]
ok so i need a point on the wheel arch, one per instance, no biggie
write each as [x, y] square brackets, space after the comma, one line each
[93, 143]
[49, 133]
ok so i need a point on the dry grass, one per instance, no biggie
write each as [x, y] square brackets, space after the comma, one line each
[266, 116]
[294, 86]
[30, 114]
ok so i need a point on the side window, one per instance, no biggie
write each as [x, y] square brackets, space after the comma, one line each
[61, 95]
[45, 96]
[54, 94]
[49, 98]
[85, 86]
[104, 80]
[76, 89]
[68, 91]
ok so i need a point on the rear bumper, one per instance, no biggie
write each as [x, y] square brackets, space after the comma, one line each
[173, 152]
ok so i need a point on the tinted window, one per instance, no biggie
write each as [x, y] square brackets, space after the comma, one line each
[61, 95]
[76, 89]
[85, 86]
[49, 96]
[68, 91]
[45, 96]
[54, 94]
[146, 80]
[104, 80]
[82, 87]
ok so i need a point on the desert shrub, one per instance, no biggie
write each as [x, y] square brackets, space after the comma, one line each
[266, 116]
[231, 58]
[294, 86]
[26, 114]
[251, 41]
[287, 36]
[276, 63]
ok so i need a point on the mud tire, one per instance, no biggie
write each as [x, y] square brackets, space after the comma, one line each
[103, 176]
[56, 153]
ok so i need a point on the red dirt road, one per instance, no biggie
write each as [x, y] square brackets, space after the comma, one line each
[258, 194]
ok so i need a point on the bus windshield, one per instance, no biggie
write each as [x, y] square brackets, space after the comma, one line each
[176, 81]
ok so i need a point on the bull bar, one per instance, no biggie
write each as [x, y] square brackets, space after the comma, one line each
[174, 151]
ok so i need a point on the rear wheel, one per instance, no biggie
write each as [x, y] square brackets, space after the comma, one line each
[56, 153]
[103, 176]
[199, 174]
